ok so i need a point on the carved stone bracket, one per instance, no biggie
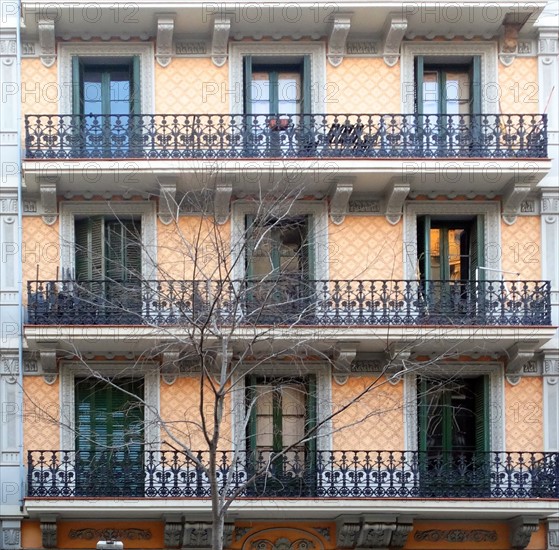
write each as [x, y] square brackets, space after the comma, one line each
[49, 532]
[337, 38]
[47, 187]
[228, 529]
[173, 534]
[394, 31]
[220, 39]
[521, 530]
[47, 42]
[368, 532]
[400, 353]
[10, 538]
[340, 201]
[344, 355]
[553, 534]
[164, 43]
[396, 196]
[512, 201]
[508, 44]
[519, 355]
[222, 201]
[170, 367]
[168, 207]
[49, 366]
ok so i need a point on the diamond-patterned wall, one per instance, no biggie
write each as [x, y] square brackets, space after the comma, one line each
[192, 86]
[365, 247]
[192, 248]
[362, 86]
[180, 413]
[41, 414]
[375, 422]
[520, 248]
[524, 415]
[40, 92]
[518, 86]
[41, 247]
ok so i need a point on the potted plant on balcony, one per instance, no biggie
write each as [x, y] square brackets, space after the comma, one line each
[278, 123]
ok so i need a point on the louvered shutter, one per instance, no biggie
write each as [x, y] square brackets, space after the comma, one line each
[482, 413]
[89, 249]
[247, 74]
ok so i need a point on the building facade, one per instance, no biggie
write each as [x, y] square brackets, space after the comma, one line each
[328, 230]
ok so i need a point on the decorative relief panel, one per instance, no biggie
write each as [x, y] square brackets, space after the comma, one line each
[90, 533]
[456, 535]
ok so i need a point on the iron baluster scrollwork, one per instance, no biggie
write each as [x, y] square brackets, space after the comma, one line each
[293, 300]
[214, 136]
[327, 474]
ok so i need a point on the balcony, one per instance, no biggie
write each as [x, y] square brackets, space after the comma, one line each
[320, 136]
[290, 302]
[324, 475]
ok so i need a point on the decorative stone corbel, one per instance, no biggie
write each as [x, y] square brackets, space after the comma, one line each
[220, 39]
[340, 201]
[49, 532]
[394, 31]
[222, 201]
[344, 355]
[337, 38]
[396, 195]
[376, 535]
[399, 353]
[173, 533]
[47, 188]
[168, 207]
[197, 535]
[228, 529]
[400, 534]
[521, 529]
[347, 530]
[553, 534]
[512, 201]
[47, 42]
[519, 355]
[164, 42]
[508, 44]
[49, 366]
[170, 367]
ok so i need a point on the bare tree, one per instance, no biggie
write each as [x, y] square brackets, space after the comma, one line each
[226, 313]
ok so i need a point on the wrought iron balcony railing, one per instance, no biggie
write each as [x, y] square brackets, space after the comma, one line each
[183, 136]
[290, 301]
[322, 474]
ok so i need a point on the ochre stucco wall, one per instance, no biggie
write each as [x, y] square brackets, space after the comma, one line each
[41, 414]
[365, 247]
[40, 92]
[363, 86]
[41, 247]
[518, 86]
[375, 422]
[524, 415]
[520, 248]
[180, 411]
[194, 86]
[193, 248]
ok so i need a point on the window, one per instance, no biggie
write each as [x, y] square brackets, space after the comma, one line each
[277, 88]
[282, 413]
[448, 88]
[107, 95]
[109, 420]
[108, 268]
[450, 249]
[453, 434]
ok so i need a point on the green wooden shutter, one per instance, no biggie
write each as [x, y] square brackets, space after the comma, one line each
[419, 70]
[250, 228]
[475, 82]
[251, 402]
[423, 413]
[109, 437]
[135, 87]
[306, 100]
[424, 246]
[482, 413]
[123, 250]
[77, 86]
[477, 249]
[247, 68]
[310, 251]
[89, 246]
[311, 419]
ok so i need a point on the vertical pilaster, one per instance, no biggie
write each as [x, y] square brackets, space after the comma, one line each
[10, 284]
